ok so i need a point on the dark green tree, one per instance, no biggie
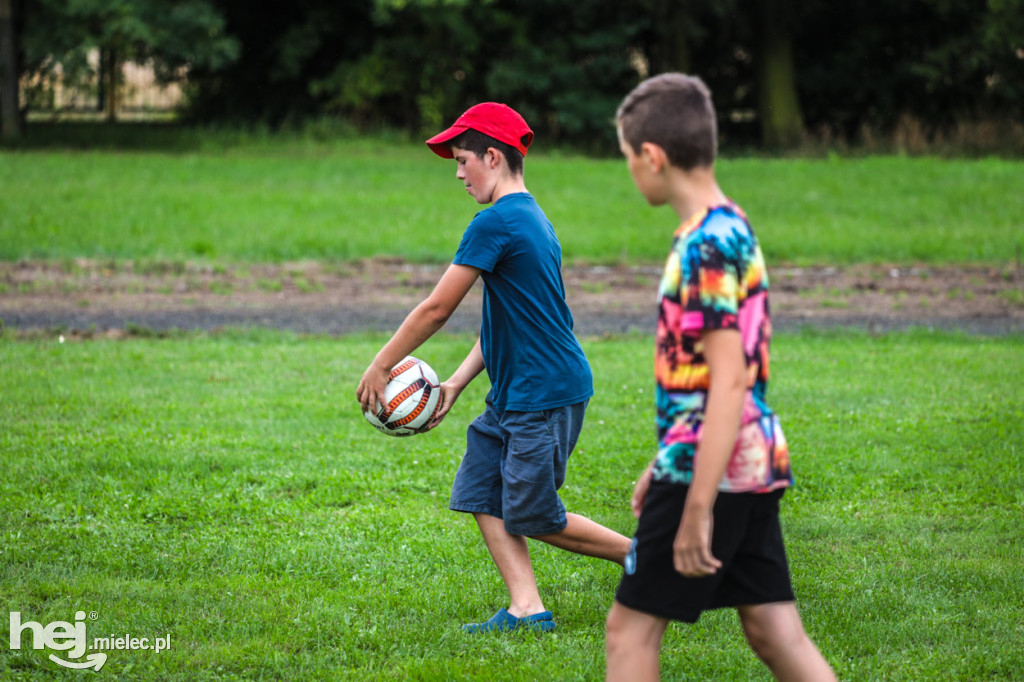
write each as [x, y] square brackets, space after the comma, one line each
[286, 48]
[566, 64]
[743, 49]
[938, 62]
[426, 64]
[674, 29]
[175, 35]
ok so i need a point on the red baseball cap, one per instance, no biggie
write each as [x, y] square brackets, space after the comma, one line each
[500, 121]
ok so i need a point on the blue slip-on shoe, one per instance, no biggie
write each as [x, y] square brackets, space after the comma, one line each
[503, 621]
[538, 622]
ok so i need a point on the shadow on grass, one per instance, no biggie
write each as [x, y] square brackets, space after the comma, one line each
[169, 137]
[174, 137]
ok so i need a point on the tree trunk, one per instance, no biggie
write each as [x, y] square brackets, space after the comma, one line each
[101, 84]
[673, 50]
[109, 71]
[10, 118]
[778, 108]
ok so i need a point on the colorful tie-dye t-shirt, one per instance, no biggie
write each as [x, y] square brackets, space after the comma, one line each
[715, 279]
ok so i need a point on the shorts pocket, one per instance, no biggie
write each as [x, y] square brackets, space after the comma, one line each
[530, 454]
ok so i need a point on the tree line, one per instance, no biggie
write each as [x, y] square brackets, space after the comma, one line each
[780, 70]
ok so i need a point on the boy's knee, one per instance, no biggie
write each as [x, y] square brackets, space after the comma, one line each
[624, 632]
[615, 634]
[772, 629]
[614, 623]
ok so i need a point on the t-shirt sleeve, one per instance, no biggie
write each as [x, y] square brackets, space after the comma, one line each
[483, 243]
[712, 287]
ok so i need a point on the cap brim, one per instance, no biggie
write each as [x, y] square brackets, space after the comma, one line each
[439, 144]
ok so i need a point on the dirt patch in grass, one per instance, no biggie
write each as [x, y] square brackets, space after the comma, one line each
[113, 298]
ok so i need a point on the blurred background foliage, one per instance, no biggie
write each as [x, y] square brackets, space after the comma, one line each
[784, 73]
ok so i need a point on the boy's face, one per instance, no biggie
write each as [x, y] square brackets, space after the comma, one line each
[479, 174]
[644, 176]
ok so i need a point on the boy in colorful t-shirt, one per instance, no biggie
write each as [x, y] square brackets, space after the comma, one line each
[715, 279]
[708, 535]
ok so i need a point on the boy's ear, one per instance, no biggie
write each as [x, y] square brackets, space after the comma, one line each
[494, 157]
[654, 156]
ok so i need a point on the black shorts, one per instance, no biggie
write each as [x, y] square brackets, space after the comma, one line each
[746, 538]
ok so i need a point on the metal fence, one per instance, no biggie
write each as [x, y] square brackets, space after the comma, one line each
[55, 96]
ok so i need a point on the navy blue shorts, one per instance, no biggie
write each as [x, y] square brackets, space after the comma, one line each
[747, 539]
[514, 465]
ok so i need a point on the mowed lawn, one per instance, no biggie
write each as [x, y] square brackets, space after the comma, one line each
[361, 198]
[224, 490]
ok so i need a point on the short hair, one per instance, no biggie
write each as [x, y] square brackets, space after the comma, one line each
[479, 143]
[675, 112]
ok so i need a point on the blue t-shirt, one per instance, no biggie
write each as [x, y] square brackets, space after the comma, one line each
[532, 357]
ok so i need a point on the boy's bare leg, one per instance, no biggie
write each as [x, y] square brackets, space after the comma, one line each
[777, 636]
[512, 557]
[633, 644]
[583, 536]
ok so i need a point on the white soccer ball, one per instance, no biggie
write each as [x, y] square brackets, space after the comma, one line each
[412, 395]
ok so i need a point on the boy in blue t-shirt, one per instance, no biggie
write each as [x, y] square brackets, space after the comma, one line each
[518, 448]
[708, 534]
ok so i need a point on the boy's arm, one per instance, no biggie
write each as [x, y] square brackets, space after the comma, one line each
[451, 389]
[640, 488]
[422, 323]
[723, 351]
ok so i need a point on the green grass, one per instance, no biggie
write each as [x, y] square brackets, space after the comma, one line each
[224, 490]
[260, 200]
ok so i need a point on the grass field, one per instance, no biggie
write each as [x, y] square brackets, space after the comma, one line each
[224, 490]
[359, 198]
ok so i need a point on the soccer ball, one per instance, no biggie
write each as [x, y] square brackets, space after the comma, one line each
[412, 395]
